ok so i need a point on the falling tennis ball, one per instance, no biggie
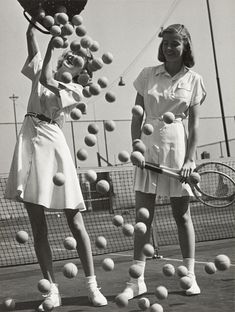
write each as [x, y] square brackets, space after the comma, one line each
[186, 282]
[70, 243]
[137, 110]
[137, 158]
[66, 77]
[77, 20]
[168, 117]
[109, 125]
[101, 242]
[78, 61]
[156, 307]
[139, 146]
[9, 304]
[93, 128]
[102, 187]
[143, 303]
[222, 262]
[80, 30]
[168, 269]
[70, 270]
[103, 82]
[161, 292]
[148, 250]
[61, 18]
[91, 176]
[22, 237]
[128, 229]
[86, 42]
[97, 63]
[90, 140]
[67, 30]
[194, 178]
[48, 21]
[121, 300]
[82, 154]
[66, 43]
[86, 93]
[94, 46]
[83, 79]
[110, 97]
[118, 220]
[82, 107]
[59, 179]
[147, 129]
[108, 264]
[143, 214]
[48, 305]
[75, 45]
[210, 268]
[123, 156]
[140, 228]
[135, 271]
[44, 286]
[94, 89]
[182, 271]
[55, 30]
[107, 58]
[57, 42]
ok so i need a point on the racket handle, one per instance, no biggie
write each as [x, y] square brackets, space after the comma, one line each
[161, 170]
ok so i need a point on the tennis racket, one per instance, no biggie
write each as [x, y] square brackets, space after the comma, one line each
[212, 188]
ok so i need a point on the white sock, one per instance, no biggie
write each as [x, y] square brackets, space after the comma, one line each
[91, 282]
[189, 263]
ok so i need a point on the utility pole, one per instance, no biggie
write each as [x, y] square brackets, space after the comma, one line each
[14, 98]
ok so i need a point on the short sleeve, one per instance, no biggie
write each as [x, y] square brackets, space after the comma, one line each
[71, 94]
[32, 68]
[199, 91]
[140, 82]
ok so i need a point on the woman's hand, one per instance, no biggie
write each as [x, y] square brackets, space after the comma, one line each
[186, 170]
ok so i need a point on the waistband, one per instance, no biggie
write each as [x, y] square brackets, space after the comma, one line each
[41, 117]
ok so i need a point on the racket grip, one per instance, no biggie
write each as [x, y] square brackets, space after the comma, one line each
[164, 171]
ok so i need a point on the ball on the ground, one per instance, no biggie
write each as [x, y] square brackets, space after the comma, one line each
[222, 262]
[9, 304]
[48, 305]
[102, 187]
[108, 264]
[210, 268]
[101, 242]
[70, 243]
[121, 300]
[182, 271]
[128, 229]
[143, 214]
[156, 307]
[59, 179]
[123, 156]
[168, 117]
[161, 292]
[70, 270]
[118, 220]
[148, 250]
[44, 286]
[147, 129]
[135, 270]
[143, 303]
[22, 237]
[186, 282]
[91, 176]
[140, 228]
[168, 269]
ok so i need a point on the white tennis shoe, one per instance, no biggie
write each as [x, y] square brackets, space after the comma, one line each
[53, 295]
[96, 297]
[135, 288]
[194, 289]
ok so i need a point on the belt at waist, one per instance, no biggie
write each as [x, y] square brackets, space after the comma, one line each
[41, 117]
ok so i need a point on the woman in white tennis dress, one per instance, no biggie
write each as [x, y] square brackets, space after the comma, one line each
[169, 87]
[41, 151]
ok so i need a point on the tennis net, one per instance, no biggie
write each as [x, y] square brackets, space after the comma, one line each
[210, 223]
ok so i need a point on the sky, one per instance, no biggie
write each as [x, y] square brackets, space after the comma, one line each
[127, 29]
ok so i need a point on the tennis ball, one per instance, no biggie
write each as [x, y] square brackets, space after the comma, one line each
[156, 307]
[135, 271]
[143, 303]
[83, 79]
[118, 220]
[140, 228]
[80, 31]
[161, 292]
[137, 110]
[90, 140]
[168, 269]
[143, 214]
[67, 30]
[128, 229]
[86, 42]
[93, 128]
[97, 63]
[121, 300]
[48, 305]
[137, 158]
[139, 146]
[70, 243]
[210, 268]
[102, 187]
[77, 20]
[222, 262]
[55, 30]
[107, 58]
[82, 107]
[95, 89]
[194, 178]
[147, 129]
[44, 286]
[101, 242]
[66, 77]
[70, 270]
[86, 93]
[109, 125]
[59, 179]
[61, 18]
[148, 250]
[91, 176]
[186, 282]
[103, 82]
[22, 237]
[123, 156]
[182, 271]
[110, 97]
[94, 46]
[9, 304]
[82, 154]
[108, 264]
[57, 42]
[168, 117]
[78, 61]
[48, 21]
[75, 45]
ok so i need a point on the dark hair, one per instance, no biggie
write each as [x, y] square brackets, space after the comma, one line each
[188, 57]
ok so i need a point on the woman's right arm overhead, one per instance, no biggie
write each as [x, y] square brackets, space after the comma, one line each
[32, 43]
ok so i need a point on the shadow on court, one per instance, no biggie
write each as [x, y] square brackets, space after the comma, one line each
[20, 283]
